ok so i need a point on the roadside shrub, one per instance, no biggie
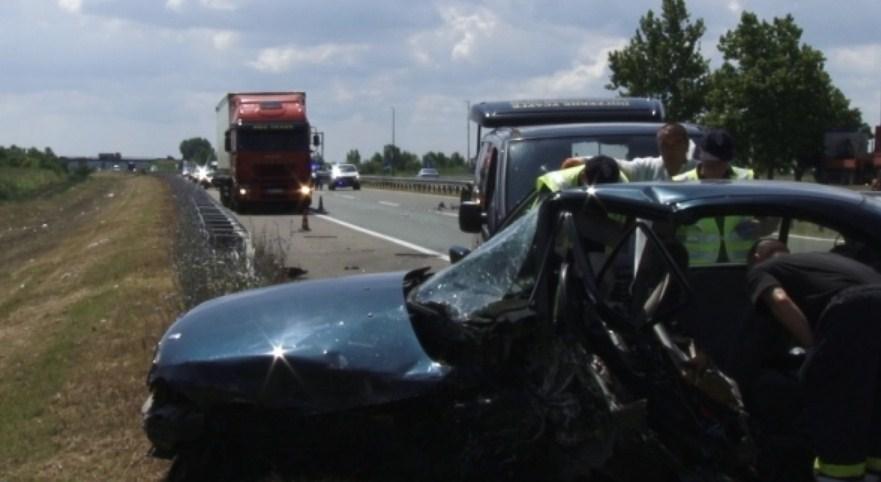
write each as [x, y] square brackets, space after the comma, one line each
[206, 271]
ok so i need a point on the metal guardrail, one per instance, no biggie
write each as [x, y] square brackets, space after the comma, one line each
[222, 230]
[449, 187]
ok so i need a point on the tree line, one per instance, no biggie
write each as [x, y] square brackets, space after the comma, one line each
[30, 158]
[771, 92]
[394, 159]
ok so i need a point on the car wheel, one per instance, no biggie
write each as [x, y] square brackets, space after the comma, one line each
[332, 187]
[356, 186]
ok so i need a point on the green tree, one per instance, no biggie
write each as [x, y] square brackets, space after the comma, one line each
[353, 157]
[456, 159]
[197, 149]
[663, 61]
[773, 93]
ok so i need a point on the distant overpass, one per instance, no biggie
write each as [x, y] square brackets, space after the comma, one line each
[105, 162]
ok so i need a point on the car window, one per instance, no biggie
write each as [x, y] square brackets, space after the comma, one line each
[492, 273]
[714, 240]
[807, 236]
[530, 158]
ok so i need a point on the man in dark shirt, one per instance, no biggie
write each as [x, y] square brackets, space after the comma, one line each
[831, 305]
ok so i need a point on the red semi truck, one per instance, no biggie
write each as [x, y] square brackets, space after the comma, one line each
[264, 150]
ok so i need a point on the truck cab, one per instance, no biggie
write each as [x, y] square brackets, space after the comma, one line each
[264, 154]
[521, 140]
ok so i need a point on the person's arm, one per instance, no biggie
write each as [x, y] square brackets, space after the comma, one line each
[789, 315]
[635, 168]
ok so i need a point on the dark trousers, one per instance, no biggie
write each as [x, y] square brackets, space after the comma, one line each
[842, 378]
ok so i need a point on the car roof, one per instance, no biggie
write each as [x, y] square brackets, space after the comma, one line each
[592, 129]
[838, 205]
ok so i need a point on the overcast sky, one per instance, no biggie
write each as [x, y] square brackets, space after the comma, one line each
[139, 76]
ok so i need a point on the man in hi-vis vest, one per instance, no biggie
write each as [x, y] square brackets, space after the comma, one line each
[719, 239]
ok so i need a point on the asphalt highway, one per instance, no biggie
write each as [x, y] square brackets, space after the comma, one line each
[364, 231]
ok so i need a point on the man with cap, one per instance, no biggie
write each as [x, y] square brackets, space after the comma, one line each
[719, 239]
[676, 154]
[829, 304]
[717, 151]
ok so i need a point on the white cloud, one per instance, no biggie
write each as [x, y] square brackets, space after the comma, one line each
[223, 40]
[587, 74]
[857, 59]
[72, 6]
[735, 6]
[219, 4]
[175, 5]
[458, 38]
[283, 59]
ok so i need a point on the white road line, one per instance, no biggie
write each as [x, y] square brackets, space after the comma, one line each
[811, 238]
[387, 203]
[400, 242]
[452, 215]
[347, 196]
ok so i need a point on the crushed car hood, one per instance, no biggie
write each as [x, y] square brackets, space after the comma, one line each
[317, 345]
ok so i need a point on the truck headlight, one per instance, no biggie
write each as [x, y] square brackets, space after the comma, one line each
[243, 191]
[305, 190]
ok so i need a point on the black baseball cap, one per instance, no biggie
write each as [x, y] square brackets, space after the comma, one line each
[717, 144]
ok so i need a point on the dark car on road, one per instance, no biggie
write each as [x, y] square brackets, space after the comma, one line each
[521, 140]
[565, 346]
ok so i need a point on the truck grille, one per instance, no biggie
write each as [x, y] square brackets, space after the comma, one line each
[270, 170]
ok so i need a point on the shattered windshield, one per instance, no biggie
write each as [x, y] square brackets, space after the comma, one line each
[490, 274]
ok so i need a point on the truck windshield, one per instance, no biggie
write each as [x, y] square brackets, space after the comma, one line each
[530, 158]
[263, 140]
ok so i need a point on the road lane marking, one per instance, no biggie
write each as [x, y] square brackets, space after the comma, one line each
[400, 242]
[811, 238]
[387, 203]
[347, 196]
[452, 215]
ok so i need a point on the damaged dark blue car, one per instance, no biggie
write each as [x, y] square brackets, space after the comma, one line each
[564, 347]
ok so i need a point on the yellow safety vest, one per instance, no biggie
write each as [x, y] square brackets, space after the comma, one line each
[716, 239]
[738, 173]
[559, 180]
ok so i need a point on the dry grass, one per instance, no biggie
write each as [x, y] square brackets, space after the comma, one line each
[86, 289]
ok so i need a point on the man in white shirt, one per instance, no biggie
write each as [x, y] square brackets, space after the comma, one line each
[677, 156]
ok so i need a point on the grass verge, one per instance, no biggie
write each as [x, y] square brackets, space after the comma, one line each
[18, 183]
[86, 289]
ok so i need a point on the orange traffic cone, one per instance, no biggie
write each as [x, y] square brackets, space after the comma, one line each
[305, 225]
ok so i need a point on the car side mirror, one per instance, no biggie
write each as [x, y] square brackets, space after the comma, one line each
[471, 217]
[457, 253]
